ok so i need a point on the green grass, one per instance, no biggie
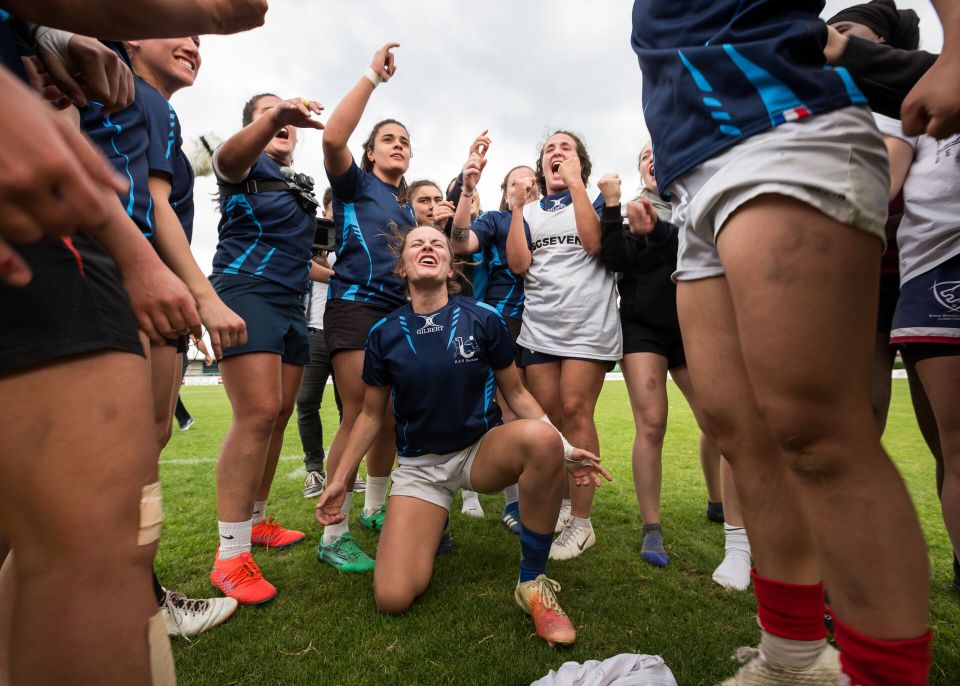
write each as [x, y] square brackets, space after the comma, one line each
[323, 627]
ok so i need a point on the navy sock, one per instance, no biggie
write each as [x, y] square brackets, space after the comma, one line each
[534, 549]
[512, 508]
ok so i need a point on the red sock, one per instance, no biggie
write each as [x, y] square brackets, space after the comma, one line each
[871, 662]
[789, 611]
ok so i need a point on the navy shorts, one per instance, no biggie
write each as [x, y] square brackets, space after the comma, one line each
[74, 305]
[929, 307]
[531, 357]
[275, 316]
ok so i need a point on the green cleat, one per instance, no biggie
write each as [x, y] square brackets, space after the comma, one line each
[345, 555]
[373, 522]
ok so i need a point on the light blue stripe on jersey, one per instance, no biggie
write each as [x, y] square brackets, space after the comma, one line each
[263, 263]
[496, 312]
[351, 225]
[704, 86]
[244, 204]
[776, 95]
[172, 139]
[453, 324]
[126, 160]
[406, 332]
[853, 90]
[488, 392]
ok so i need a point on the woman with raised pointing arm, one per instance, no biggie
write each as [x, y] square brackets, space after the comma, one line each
[366, 211]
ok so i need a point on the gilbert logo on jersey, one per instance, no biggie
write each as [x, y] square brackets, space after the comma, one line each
[428, 324]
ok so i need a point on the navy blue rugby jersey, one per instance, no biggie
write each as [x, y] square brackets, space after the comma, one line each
[266, 235]
[503, 289]
[366, 213]
[123, 137]
[165, 153]
[718, 71]
[441, 367]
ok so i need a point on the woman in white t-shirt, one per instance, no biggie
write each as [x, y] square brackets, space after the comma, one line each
[926, 323]
[571, 328]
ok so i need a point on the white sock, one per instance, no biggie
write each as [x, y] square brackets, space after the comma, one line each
[471, 504]
[734, 571]
[259, 511]
[565, 506]
[790, 653]
[581, 522]
[511, 494]
[234, 539]
[376, 494]
[334, 531]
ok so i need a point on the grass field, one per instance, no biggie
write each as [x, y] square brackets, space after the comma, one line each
[323, 627]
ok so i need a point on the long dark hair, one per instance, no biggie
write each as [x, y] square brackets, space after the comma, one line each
[504, 205]
[366, 164]
[251, 104]
[585, 165]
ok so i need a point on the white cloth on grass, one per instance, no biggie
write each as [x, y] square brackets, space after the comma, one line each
[626, 669]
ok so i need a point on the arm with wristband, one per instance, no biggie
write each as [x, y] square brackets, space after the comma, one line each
[345, 117]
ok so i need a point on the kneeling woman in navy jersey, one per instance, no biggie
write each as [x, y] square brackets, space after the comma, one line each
[441, 357]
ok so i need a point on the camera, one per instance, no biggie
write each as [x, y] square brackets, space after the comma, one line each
[325, 239]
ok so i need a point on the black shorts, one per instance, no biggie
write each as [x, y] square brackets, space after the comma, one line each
[347, 323]
[889, 294]
[74, 305]
[642, 338]
[275, 316]
[529, 358]
[513, 325]
[181, 343]
[915, 352]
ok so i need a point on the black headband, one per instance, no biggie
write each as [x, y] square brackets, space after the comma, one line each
[899, 28]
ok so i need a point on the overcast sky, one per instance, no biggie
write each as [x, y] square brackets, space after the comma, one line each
[520, 68]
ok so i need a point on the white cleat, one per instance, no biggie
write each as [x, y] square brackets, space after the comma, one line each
[189, 617]
[572, 541]
[757, 670]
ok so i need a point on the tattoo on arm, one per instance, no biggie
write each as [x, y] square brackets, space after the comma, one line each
[461, 235]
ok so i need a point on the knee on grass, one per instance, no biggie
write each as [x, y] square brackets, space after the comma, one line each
[393, 599]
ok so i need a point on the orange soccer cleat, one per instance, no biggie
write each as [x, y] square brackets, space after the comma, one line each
[539, 600]
[241, 579]
[269, 533]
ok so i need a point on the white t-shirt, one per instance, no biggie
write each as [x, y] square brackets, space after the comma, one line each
[317, 299]
[929, 233]
[570, 307]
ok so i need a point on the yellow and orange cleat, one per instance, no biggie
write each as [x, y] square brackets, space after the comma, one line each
[241, 579]
[270, 534]
[538, 598]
